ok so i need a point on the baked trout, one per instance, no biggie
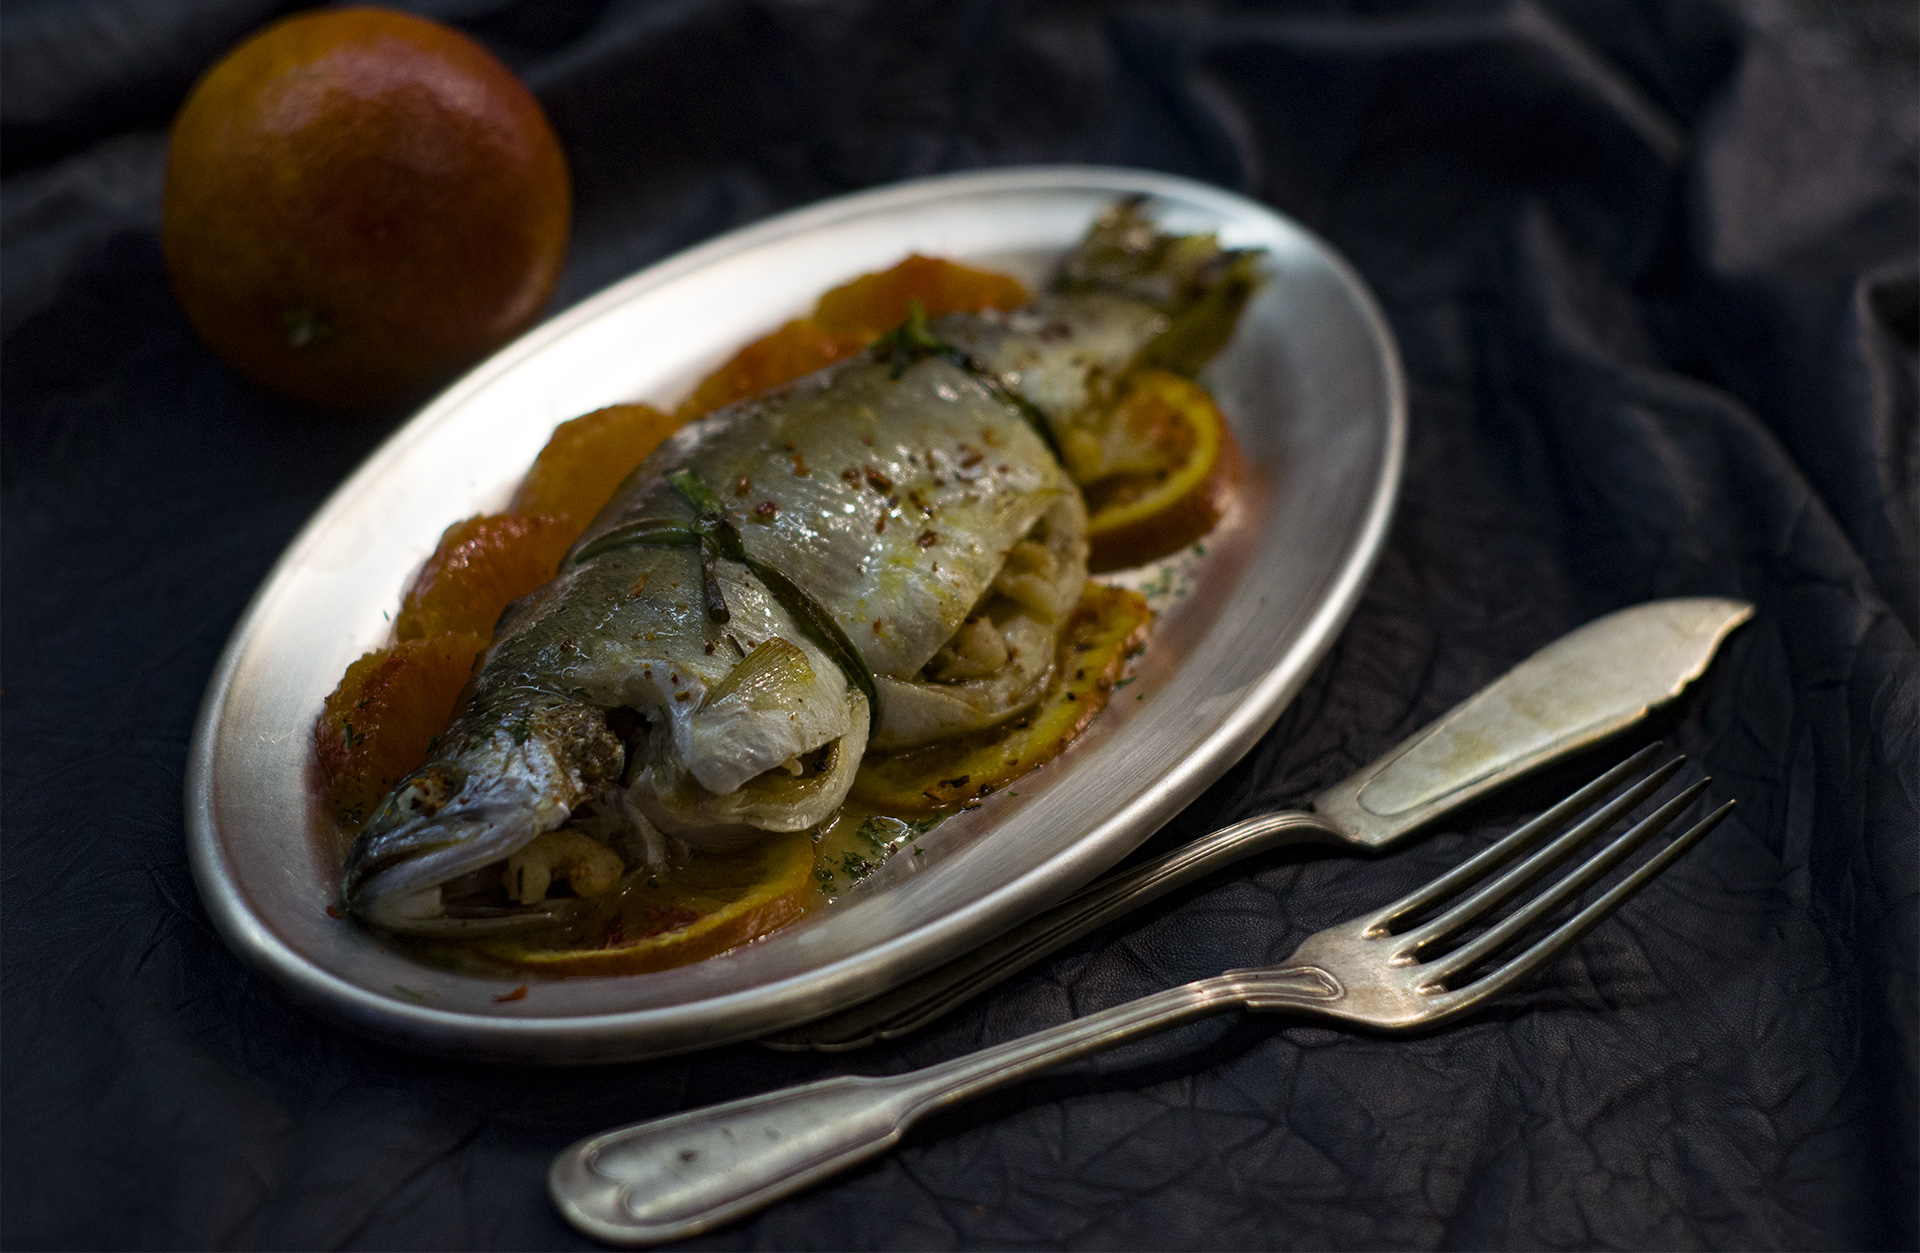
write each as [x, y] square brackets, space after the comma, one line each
[881, 555]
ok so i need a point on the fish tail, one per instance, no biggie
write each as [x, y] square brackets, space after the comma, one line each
[1199, 286]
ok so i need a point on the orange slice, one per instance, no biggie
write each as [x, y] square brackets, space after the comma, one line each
[1158, 473]
[586, 459]
[1107, 627]
[378, 725]
[873, 304]
[847, 319]
[792, 352]
[481, 566]
[684, 914]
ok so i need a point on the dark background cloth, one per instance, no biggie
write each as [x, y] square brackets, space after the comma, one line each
[1653, 270]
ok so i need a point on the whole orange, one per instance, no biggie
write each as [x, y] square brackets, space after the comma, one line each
[358, 201]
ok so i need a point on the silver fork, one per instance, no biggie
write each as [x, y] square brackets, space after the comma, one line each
[1577, 691]
[676, 1177]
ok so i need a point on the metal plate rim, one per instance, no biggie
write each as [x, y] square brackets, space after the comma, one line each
[622, 1035]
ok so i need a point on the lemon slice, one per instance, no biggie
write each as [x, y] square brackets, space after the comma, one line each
[1157, 476]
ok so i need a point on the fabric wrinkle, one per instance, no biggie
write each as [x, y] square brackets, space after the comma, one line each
[1652, 273]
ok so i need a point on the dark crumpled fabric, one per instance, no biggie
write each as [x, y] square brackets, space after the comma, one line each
[1653, 270]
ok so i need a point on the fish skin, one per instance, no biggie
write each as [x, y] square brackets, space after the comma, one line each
[890, 488]
[1056, 351]
[957, 474]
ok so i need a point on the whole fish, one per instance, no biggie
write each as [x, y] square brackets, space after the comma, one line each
[881, 555]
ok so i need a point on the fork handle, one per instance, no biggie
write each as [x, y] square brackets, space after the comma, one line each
[678, 1176]
[913, 1005]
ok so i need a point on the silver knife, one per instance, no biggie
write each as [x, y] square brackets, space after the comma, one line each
[1577, 691]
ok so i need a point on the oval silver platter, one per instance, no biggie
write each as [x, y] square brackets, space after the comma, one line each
[1310, 383]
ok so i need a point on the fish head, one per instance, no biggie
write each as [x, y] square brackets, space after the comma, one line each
[503, 779]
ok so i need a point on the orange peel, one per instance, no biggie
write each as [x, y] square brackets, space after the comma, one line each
[586, 460]
[480, 567]
[873, 304]
[378, 724]
[847, 319]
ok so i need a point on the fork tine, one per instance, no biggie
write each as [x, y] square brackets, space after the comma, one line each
[1516, 880]
[1569, 932]
[1476, 868]
[1511, 846]
[1572, 885]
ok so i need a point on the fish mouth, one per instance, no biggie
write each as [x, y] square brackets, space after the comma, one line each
[502, 864]
[437, 912]
[424, 861]
[418, 877]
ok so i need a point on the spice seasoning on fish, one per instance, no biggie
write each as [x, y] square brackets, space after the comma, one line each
[741, 747]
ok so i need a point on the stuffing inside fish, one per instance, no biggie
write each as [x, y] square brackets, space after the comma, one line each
[881, 555]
